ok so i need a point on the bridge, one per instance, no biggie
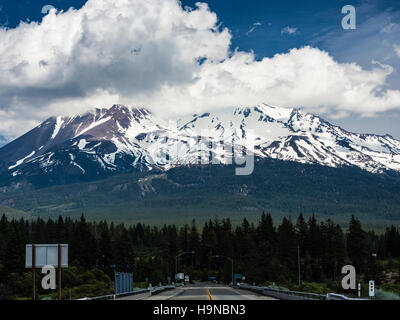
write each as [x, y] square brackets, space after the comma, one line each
[204, 291]
[209, 291]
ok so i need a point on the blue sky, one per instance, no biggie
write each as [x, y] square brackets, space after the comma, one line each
[317, 22]
[312, 18]
[273, 27]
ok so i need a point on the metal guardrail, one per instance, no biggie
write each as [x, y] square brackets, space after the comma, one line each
[152, 290]
[294, 295]
[116, 296]
[156, 290]
[335, 296]
[283, 294]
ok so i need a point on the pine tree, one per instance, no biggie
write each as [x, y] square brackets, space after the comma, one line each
[104, 254]
[194, 238]
[357, 245]
[287, 248]
[314, 247]
[15, 251]
[266, 261]
[84, 246]
[3, 238]
[123, 252]
[392, 238]
[302, 232]
[266, 230]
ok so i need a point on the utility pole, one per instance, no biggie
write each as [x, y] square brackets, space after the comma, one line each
[231, 260]
[298, 264]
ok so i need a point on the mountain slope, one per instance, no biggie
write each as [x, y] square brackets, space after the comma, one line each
[121, 139]
[182, 194]
[12, 213]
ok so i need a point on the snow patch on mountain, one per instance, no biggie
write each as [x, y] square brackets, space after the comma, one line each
[82, 144]
[122, 138]
[93, 125]
[57, 127]
[19, 162]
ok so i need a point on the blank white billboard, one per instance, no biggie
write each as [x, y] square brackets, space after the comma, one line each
[46, 255]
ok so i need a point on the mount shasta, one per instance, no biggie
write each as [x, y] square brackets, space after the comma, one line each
[112, 161]
[120, 139]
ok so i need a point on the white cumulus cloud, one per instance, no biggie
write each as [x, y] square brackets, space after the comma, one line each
[396, 49]
[254, 27]
[288, 30]
[171, 59]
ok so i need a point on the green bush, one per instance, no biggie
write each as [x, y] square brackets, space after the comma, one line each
[81, 283]
[313, 287]
[392, 287]
[386, 295]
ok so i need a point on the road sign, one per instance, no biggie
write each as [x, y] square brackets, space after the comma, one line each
[123, 282]
[372, 288]
[238, 276]
[46, 255]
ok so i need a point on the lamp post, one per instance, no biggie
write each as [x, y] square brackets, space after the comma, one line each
[176, 260]
[298, 264]
[373, 255]
[231, 260]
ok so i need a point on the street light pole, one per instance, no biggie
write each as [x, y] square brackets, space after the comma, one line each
[298, 263]
[176, 260]
[231, 260]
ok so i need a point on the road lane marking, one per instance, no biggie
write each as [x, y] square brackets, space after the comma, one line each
[178, 293]
[209, 294]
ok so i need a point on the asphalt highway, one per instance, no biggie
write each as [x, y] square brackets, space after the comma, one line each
[208, 291]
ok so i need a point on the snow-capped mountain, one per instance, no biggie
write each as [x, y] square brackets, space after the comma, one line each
[121, 139]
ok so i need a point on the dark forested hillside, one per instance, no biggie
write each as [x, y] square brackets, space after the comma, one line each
[202, 192]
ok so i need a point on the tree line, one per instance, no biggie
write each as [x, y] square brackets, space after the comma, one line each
[262, 252]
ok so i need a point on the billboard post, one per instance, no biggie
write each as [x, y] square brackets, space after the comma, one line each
[59, 271]
[33, 272]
